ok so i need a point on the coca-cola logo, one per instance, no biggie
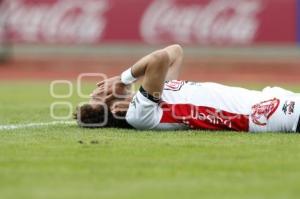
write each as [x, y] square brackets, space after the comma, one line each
[216, 22]
[67, 21]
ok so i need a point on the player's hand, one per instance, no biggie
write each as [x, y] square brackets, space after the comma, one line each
[110, 82]
[121, 106]
[100, 95]
[111, 88]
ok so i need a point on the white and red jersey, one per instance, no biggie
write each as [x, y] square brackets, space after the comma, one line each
[212, 106]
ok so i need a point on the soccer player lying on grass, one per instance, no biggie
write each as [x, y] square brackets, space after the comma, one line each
[163, 102]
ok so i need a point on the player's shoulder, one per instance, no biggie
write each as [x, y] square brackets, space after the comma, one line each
[144, 111]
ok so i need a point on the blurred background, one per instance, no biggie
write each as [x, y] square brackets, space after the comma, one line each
[227, 41]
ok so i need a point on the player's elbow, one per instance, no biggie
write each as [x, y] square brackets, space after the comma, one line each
[160, 58]
[175, 53]
[178, 49]
[175, 49]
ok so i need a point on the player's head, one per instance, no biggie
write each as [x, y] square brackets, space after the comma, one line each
[97, 116]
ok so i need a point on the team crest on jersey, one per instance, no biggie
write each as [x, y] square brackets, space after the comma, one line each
[173, 85]
[262, 112]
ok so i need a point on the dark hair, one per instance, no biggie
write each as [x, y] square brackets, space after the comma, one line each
[89, 116]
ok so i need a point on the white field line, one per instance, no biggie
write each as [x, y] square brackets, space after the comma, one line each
[33, 125]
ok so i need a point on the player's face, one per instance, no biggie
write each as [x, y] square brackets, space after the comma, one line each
[116, 102]
[115, 105]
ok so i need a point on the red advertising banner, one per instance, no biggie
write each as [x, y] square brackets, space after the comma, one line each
[205, 22]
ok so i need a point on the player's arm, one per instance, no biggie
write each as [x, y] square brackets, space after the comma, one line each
[144, 111]
[175, 53]
[157, 67]
[175, 56]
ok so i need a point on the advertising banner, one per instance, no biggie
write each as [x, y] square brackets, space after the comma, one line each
[196, 22]
[2, 28]
[219, 21]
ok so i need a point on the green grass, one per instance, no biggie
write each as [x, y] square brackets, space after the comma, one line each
[68, 162]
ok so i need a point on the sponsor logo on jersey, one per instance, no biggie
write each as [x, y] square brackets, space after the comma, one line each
[262, 112]
[173, 85]
[202, 117]
[214, 117]
[288, 107]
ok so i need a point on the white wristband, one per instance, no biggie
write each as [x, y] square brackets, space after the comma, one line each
[127, 77]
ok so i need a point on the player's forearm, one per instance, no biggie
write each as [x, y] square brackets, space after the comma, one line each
[136, 71]
[174, 56]
[139, 68]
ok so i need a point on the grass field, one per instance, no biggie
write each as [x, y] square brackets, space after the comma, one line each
[63, 161]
